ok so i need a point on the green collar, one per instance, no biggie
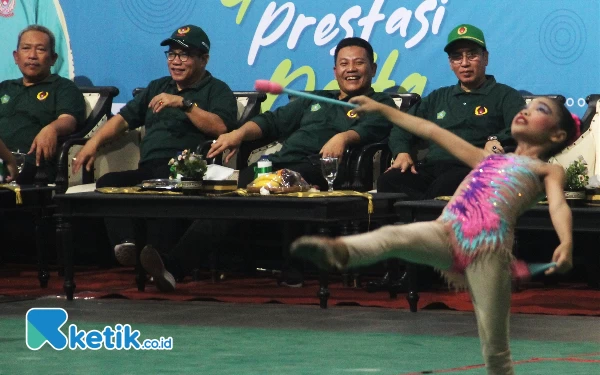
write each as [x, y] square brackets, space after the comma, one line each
[369, 92]
[485, 89]
[203, 82]
[51, 78]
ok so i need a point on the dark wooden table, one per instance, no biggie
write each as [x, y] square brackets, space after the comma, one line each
[38, 201]
[585, 219]
[326, 212]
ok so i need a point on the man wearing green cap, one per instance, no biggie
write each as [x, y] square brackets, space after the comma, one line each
[477, 108]
[179, 112]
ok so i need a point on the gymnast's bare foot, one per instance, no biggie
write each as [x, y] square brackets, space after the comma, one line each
[325, 252]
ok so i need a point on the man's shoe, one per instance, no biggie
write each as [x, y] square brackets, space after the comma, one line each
[154, 265]
[125, 253]
[292, 278]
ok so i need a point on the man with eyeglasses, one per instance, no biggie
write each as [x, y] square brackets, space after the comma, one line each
[179, 112]
[477, 108]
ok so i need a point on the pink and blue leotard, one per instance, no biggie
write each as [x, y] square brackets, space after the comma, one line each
[481, 216]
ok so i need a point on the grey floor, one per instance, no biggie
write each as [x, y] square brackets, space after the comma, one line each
[353, 319]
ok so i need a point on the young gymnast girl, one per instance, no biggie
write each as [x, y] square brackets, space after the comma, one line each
[471, 242]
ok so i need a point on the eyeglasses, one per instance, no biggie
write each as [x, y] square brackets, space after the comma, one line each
[457, 58]
[183, 56]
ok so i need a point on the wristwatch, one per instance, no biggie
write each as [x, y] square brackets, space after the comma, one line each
[187, 105]
[492, 138]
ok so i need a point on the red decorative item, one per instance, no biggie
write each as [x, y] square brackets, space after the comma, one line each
[577, 127]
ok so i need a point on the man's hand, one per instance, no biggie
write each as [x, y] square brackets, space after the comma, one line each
[494, 147]
[563, 256]
[13, 170]
[335, 147]
[163, 100]
[44, 144]
[403, 161]
[229, 141]
[86, 156]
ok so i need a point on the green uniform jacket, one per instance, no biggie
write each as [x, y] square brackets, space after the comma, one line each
[472, 116]
[170, 131]
[306, 125]
[25, 110]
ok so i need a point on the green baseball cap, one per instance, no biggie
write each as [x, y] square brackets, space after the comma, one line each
[465, 32]
[189, 36]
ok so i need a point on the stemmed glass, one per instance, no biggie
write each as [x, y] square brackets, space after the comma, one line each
[20, 160]
[329, 168]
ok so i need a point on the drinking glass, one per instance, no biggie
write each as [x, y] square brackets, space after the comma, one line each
[20, 160]
[329, 168]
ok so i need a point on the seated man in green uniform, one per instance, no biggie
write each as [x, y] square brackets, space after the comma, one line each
[310, 128]
[477, 108]
[39, 107]
[313, 129]
[179, 112]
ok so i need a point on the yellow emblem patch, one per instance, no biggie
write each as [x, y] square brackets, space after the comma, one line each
[351, 114]
[183, 30]
[480, 111]
[42, 95]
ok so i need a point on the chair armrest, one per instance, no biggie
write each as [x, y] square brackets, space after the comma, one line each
[62, 169]
[361, 164]
[246, 149]
[203, 149]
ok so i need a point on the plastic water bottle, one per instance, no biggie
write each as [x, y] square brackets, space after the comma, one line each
[263, 166]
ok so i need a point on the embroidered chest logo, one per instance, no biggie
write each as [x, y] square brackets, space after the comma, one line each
[6, 8]
[351, 114]
[4, 99]
[315, 107]
[480, 111]
[441, 115]
[42, 95]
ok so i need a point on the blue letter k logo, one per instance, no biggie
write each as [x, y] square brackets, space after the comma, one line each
[43, 325]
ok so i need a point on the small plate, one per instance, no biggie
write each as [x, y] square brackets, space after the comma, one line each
[160, 184]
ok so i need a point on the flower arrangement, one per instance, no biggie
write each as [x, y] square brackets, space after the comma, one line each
[576, 175]
[188, 165]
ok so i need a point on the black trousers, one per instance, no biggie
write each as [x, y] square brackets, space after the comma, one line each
[162, 233]
[432, 180]
[151, 169]
[205, 235]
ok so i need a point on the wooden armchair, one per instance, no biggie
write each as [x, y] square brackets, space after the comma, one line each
[123, 154]
[588, 144]
[98, 100]
[362, 160]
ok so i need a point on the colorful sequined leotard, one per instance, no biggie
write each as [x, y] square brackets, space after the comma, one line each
[481, 216]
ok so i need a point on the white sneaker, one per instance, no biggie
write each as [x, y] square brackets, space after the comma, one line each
[125, 253]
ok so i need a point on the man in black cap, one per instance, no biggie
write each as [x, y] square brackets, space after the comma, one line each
[312, 129]
[477, 108]
[179, 112]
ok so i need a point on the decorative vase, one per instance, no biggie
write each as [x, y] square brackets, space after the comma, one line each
[575, 198]
[190, 186]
